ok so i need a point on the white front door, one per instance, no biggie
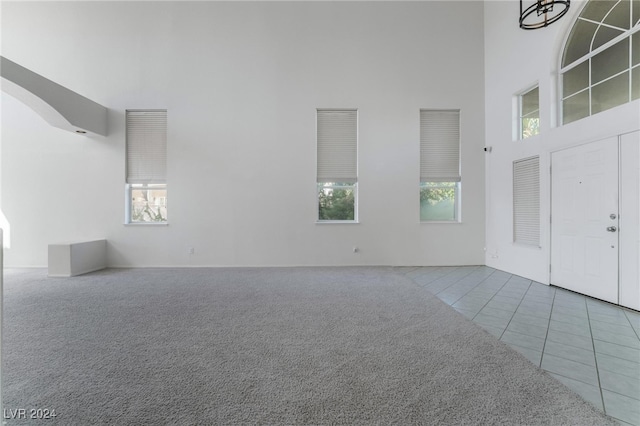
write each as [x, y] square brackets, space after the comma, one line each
[584, 219]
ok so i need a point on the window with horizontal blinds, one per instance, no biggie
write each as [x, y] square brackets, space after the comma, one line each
[439, 145]
[337, 144]
[526, 201]
[146, 146]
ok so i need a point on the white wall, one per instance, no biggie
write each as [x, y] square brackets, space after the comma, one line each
[241, 82]
[515, 59]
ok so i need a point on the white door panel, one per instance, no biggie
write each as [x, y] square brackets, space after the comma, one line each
[584, 254]
[630, 220]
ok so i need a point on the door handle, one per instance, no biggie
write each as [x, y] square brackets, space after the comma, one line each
[612, 229]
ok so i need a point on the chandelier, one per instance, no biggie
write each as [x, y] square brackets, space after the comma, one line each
[542, 13]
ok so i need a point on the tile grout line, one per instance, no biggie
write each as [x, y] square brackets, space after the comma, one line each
[614, 356]
[483, 280]
[544, 345]
[621, 394]
[475, 268]
[615, 343]
[415, 268]
[595, 358]
[624, 312]
[593, 339]
[461, 278]
[457, 269]
[624, 345]
[553, 306]
[490, 299]
[436, 270]
[425, 286]
[514, 312]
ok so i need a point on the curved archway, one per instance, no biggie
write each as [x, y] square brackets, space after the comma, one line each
[599, 66]
[56, 104]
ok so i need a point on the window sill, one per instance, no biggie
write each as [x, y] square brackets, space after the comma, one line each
[146, 224]
[428, 222]
[337, 222]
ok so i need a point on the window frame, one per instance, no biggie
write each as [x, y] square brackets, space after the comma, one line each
[521, 116]
[456, 201]
[338, 185]
[129, 188]
[587, 58]
[430, 143]
[146, 175]
[351, 182]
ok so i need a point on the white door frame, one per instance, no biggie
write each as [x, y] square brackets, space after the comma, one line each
[572, 281]
[629, 211]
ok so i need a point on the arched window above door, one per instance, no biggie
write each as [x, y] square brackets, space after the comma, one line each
[600, 67]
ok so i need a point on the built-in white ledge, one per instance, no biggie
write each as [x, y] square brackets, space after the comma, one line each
[59, 106]
[70, 259]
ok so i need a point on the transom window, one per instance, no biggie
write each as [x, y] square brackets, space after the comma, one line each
[529, 113]
[601, 61]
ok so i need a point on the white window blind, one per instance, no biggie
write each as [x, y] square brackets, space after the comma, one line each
[337, 141]
[146, 146]
[439, 145]
[526, 201]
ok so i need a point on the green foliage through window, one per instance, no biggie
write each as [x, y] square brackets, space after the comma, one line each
[336, 201]
[529, 113]
[530, 127]
[438, 201]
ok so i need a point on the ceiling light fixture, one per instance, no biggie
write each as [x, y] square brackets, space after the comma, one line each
[542, 13]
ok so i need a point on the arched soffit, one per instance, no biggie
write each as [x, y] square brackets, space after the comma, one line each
[57, 105]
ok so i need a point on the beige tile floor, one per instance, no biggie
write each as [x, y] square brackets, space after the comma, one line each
[591, 346]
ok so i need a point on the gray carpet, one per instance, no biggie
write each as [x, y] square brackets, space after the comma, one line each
[262, 346]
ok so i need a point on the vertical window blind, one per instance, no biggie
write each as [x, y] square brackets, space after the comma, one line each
[146, 146]
[337, 144]
[526, 201]
[439, 145]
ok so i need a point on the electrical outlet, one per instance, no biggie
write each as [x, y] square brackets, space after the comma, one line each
[191, 250]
